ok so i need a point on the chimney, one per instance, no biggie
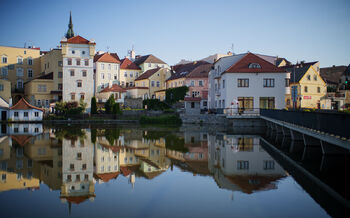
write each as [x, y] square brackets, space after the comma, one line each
[10, 102]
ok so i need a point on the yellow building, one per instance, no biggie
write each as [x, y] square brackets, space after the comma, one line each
[19, 65]
[160, 94]
[52, 62]
[154, 80]
[5, 90]
[307, 87]
[39, 91]
[128, 73]
[150, 61]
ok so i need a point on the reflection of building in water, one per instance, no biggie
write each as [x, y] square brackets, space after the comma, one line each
[239, 163]
[24, 129]
[106, 161]
[16, 169]
[77, 169]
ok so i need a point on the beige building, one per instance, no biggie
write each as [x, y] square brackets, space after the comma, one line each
[39, 91]
[19, 65]
[150, 61]
[5, 90]
[128, 73]
[106, 70]
[154, 80]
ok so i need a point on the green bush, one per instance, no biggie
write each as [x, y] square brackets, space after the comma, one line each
[163, 119]
[116, 109]
[174, 95]
[155, 104]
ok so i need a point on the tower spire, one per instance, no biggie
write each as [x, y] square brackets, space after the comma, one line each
[70, 32]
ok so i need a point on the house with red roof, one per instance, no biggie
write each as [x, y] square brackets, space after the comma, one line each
[23, 111]
[129, 71]
[118, 92]
[246, 82]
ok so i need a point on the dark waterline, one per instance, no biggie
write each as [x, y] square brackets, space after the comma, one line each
[134, 171]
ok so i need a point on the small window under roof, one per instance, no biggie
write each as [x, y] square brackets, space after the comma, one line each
[254, 65]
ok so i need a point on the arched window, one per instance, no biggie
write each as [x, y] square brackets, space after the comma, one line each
[4, 59]
[254, 66]
[19, 84]
[19, 60]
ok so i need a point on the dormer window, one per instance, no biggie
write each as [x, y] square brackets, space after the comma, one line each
[254, 66]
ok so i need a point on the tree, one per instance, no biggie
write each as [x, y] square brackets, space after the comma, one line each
[109, 104]
[174, 95]
[116, 109]
[93, 105]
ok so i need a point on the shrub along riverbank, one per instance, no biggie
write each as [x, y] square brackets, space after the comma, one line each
[162, 119]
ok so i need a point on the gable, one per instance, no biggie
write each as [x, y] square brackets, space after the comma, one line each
[312, 72]
[252, 63]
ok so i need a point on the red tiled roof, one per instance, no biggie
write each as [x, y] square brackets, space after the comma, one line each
[22, 140]
[147, 74]
[113, 88]
[106, 57]
[105, 177]
[77, 199]
[78, 40]
[201, 71]
[127, 64]
[127, 170]
[192, 99]
[182, 70]
[242, 66]
[24, 105]
[115, 55]
[136, 87]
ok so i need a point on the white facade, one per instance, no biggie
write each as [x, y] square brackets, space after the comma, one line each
[78, 81]
[25, 115]
[106, 75]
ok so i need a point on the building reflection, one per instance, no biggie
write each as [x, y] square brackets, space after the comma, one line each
[72, 161]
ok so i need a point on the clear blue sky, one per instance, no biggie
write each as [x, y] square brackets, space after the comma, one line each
[188, 29]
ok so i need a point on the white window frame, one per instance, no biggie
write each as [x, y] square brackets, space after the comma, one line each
[30, 71]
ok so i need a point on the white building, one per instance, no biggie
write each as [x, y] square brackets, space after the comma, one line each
[23, 111]
[78, 81]
[246, 81]
[106, 67]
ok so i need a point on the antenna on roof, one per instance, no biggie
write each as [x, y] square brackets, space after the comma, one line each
[107, 49]
[232, 48]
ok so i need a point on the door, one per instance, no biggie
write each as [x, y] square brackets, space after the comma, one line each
[4, 115]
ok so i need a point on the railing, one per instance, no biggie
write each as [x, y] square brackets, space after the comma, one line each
[238, 111]
[332, 123]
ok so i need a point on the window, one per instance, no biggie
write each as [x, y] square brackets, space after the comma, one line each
[102, 66]
[69, 61]
[158, 84]
[69, 178]
[267, 102]
[60, 86]
[78, 62]
[82, 96]
[137, 74]
[269, 82]
[4, 71]
[1, 87]
[84, 167]
[71, 72]
[243, 82]
[19, 84]
[39, 102]
[19, 60]
[30, 61]
[102, 75]
[79, 83]
[60, 63]
[25, 114]
[109, 66]
[59, 75]
[86, 177]
[192, 83]
[83, 52]
[19, 72]
[242, 165]
[77, 178]
[16, 128]
[254, 66]
[41, 88]
[30, 73]
[318, 89]
[84, 73]
[71, 167]
[125, 74]
[149, 65]
[223, 84]
[152, 83]
[4, 59]
[115, 77]
[36, 114]
[72, 96]
[305, 89]
[315, 77]
[192, 104]
[246, 103]
[195, 94]
[308, 77]
[79, 156]
[86, 62]
[73, 52]
[131, 74]
[25, 129]
[269, 164]
[287, 82]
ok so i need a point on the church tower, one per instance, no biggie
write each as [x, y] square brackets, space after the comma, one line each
[70, 32]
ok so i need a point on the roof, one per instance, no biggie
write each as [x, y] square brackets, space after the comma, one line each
[148, 59]
[105, 177]
[127, 170]
[279, 61]
[147, 74]
[107, 57]
[22, 104]
[78, 40]
[78, 199]
[46, 76]
[201, 71]
[152, 175]
[113, 88]
[296, 73]
[127, 64]
[22, 140]
[301, 64]
[242, 65]
[182, 70]
[332, 74]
